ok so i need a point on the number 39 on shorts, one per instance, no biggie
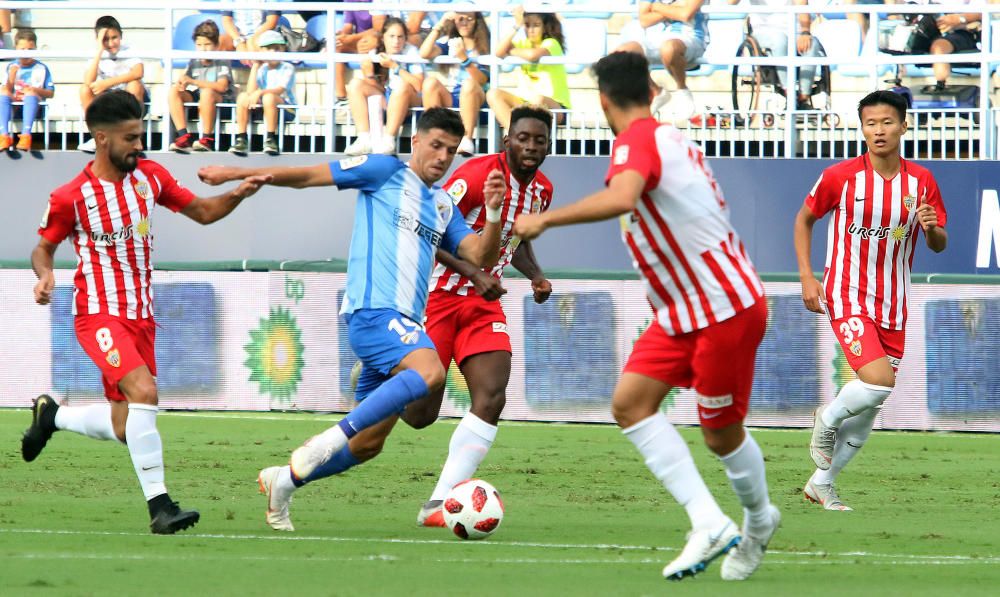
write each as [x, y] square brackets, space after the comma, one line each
[851, 329]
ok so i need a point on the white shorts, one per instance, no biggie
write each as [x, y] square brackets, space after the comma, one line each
[652, 39]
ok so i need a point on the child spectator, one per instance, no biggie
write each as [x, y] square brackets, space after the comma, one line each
[207, 82]
[357, 36]
[244, 27]
[29, 82]
[466, 37]
[534, 35]
[402, 90]
[271, 83]
[110, 68]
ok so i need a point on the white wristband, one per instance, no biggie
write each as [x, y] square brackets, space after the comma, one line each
[493, 215]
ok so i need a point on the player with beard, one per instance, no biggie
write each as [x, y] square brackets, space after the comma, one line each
[107, 211]
[464, 320]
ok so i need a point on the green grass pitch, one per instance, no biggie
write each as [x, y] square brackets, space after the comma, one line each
[584, 517]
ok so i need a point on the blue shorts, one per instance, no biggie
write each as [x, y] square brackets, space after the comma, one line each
[381, 338]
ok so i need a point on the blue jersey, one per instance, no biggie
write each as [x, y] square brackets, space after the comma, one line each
[398, 225]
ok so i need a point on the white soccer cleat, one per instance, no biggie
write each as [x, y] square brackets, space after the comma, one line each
[431, 514]
[279, 498]
[745, 558]
[702, 547]
[823, 440]
[317, 450]
[824, 495]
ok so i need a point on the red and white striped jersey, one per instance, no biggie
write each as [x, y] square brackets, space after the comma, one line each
[694, 265]
[466, 188]
[109, 223]
[872, 236]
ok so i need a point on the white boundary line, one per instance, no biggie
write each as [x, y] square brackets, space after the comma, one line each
[872, 557]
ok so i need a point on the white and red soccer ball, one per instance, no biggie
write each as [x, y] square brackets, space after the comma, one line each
[473, 509]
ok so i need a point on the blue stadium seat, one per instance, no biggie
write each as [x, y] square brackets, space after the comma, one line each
[725, 34]
[185, 28]
[316, 27]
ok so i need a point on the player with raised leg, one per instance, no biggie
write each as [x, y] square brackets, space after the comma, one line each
[401, 219]
[710, 317]
[107, 211]
[878, 202]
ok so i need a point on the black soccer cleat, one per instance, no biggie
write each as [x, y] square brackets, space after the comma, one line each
[43, 425]
[170, 519]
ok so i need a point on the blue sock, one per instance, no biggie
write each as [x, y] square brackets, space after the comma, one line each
[340, 462]
[4, 114]
[30, 110]
[391, 397]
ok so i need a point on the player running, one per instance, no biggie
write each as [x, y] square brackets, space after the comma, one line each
[107, 211]
[879, 202]
[401, 219]
[710, 317]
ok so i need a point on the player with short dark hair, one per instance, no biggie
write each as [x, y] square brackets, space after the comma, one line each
[401, 220]
[710, 315]
[878, 202]
[107, 211]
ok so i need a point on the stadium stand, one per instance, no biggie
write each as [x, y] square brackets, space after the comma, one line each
[592, 27]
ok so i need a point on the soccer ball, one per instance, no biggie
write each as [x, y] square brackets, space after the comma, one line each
[473, 509]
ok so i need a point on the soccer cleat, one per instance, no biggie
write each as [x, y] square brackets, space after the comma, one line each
[745, 558]
[431, 514]
[467, 147]
[702, 547]
[204, 144]
[182, 144]
[6, 142]
[239, 147]
[361, 146]
[43, 425]
[271, 146]
[823, 440]
[23, 142]
[171, 519]
[89, 146]
[278, 500]
[824, 495]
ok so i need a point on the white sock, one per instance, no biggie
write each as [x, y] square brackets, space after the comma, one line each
[851, 436]
[745, 469]
[669, 459]
[146, 448]
[469, 444]
[93, 420]
[854, 398]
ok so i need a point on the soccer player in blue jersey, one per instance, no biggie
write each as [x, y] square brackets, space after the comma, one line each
[401, 219]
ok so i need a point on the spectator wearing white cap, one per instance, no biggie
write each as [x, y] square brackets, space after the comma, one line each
[271, 83]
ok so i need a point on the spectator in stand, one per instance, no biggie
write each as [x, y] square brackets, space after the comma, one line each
[771, 31]
[244, 27]
[207, 82]
[418, 23]
[357, 36]
[861, 18]
[403, 82]
[6, 41]
[961, 32]
[111, 68]
[29, 82]
[465, 37]
[270, 84]
[534, 35]
[674, 32]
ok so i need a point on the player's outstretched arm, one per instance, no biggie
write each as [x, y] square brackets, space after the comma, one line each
[298, 177]
[524, 261]
[484, 249]
[812, 290]
[486, 285]
[42, 258]
[620, 197]
[206, 210]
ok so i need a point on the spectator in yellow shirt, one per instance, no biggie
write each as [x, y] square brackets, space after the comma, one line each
[534, 35]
